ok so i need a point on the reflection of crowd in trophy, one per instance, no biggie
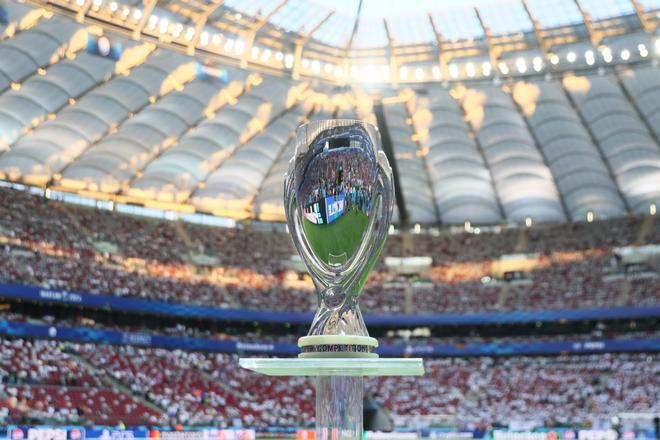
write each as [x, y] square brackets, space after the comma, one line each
[347, 171]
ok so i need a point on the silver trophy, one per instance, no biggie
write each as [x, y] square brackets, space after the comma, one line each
[338, 196]
[338, 203]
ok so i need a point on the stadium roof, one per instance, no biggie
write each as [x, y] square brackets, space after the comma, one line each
[99, 100]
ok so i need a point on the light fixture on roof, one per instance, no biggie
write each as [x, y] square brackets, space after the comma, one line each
[521, 65]
[327, 68]
[239, 47]
[469, 70]
[254, 53]
[590, 216]
[554, 59]
[96, 4]
[643, 51]
[266, 56]
[625, 54]
[279, 56]
[403, 72]
[80, 2]
[288, 61]
[435, 71]
[589, 57]
[504, 68]
[453, 70]
[537, 64]
[316, 67]
[15, 86]
[419, 73]
[652, 209]
[338, 72]
[305, 63]
[486, 68]
[467, 226]
[369, 73]
[164, 24]
[204, 38]
[137, 14]
[528, 222]
[190, 33]
[657, 45]
[126, 12]
[354, 71]
[229, 44]
[178, 28]
[113, 6]
[418, 228]
[571, 57]
[41, 71]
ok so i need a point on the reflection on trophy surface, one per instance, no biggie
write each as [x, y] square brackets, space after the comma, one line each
[338, 195]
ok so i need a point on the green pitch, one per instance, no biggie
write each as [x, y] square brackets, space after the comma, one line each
[336, 242]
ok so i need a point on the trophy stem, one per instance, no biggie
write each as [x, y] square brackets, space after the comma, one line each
[339, 407]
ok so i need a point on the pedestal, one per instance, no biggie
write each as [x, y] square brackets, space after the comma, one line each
[339, 386]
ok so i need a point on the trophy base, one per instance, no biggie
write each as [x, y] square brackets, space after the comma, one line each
[339, 385]
[334, 366]
[333, 346]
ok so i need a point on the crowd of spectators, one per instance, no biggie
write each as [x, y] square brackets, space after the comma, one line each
[56, 245]
[147, 385]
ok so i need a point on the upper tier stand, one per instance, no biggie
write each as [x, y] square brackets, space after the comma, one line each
[335, 366]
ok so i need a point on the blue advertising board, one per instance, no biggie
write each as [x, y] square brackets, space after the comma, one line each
[118, 303]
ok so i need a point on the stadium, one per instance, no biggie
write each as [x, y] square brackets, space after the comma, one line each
[144, 248]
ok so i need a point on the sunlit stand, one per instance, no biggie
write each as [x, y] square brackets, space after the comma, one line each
[339, 382]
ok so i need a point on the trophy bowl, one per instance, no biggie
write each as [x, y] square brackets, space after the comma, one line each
[338, 199]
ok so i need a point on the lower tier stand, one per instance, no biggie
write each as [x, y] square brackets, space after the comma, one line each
[339, 386]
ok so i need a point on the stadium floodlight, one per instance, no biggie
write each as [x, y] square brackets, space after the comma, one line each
[164, 24]
[137, 14]
[113, 6]
[590, 216]
[657, 45]
[607, 54]
[554, 59]
[528, 222]
[469, 70]
[435, 71]
[266, 55]
[316, 67]
[486, 68]
[327, 68]
[254, 53]
[80, 2]
[589, 57]
[521, 65]
[453, 70]
[403, 72]
[504, 68]
[419, 73]
[537, 64]
[625, 54]
[190, 33]
[643, 51]
[126, 12]
[204, 38]
[369, 73]
[239, 47]
[418, 228]
[571, 57]
[229, 44]
[339, 72]
[288, 60]
[652, 209]
[279, 56]
[354, 72]
[305, 63]
[467, 226]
